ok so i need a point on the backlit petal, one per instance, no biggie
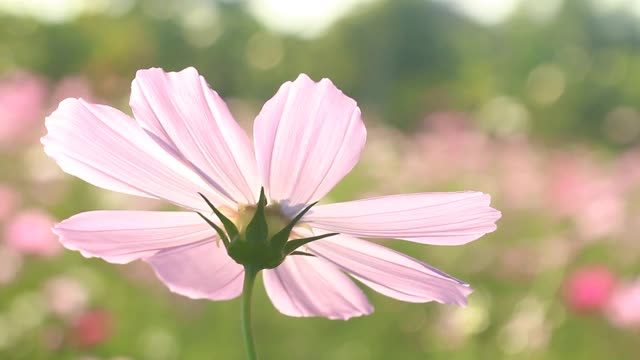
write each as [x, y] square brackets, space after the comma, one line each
[307, 138]
[107, 148]
[305, 286]
[190, 120]
[389, 272]
[199, 271]
[453, 218]
[124, 236]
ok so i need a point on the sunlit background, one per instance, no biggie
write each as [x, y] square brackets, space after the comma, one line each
[535, 102]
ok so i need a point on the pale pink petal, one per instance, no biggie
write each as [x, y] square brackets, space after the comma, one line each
[307, 138]
[107, 148]
[305, 286]
[199, 271]
[453, 218]
[124, 236]
[389, 272]
[189, 119]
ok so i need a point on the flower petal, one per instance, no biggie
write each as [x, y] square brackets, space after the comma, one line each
[305, 286]
[199, 271]
[189, 119]
[307, 138]
[453, 218]
[389, 272]
[107, 148]
[124, 236]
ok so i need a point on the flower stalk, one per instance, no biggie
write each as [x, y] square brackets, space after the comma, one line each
[250, 274]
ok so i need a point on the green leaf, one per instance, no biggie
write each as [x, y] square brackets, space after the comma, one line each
[258, 230]
[292, 245]
[221, 233]
[281, 238]
[232, 230]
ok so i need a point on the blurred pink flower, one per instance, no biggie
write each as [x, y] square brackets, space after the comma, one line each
[66, 296]
[590, 195]
[520, 174]
[184, 141]
[386, 151]
[91, 328]
[571, 180]
[30, 233]
[588, 289]
[9, 201]
[76, 86]
[22, 104]
[627, 170]
[10, 264]
[623, 309]
[450, 149]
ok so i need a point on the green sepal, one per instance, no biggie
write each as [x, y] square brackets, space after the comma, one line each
[292, 245]
[301, 253]
[232, 230]
[281, 238]
[221, 233]
[257, 229]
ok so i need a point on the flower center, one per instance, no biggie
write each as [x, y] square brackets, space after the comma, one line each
[274, 217]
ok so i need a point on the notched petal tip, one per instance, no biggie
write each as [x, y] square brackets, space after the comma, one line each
[66, 241]
[148, 70]
[494, 214]
[366, 310]
[161, 71]
[466, 292]
[303, 80]
[344, 317]
[460, 297]
[303, 77]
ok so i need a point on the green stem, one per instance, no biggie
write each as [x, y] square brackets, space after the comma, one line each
[247, 289]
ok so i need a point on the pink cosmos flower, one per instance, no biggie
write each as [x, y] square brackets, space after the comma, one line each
[588, 289]
[11, 262]
[66, 296]
[588, 194]
[22, 101]
[182, 141]
[30, 233]
[74, 85]
[91, 328]
[623, 308]
[451, 148]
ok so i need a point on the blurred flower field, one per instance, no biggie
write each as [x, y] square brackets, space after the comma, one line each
[559, 279]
